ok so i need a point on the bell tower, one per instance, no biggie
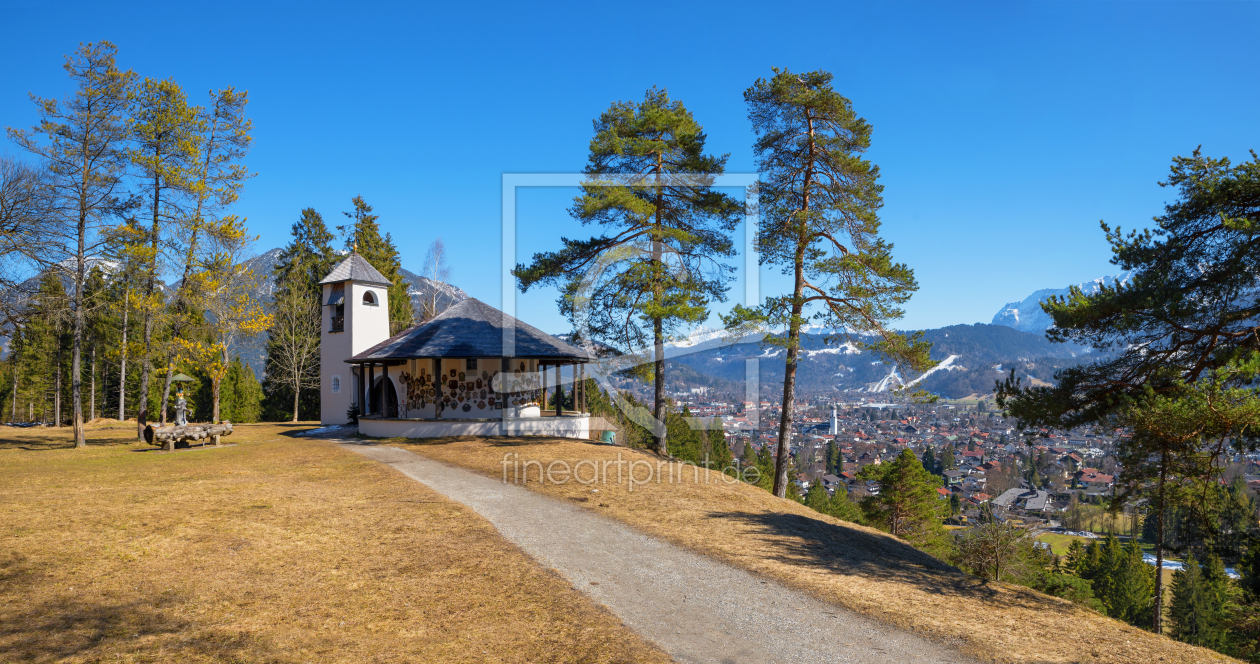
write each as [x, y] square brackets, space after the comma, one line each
[355, 317]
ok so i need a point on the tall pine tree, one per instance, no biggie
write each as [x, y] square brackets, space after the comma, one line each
[82, 141]
[657, 265]
[818, 203]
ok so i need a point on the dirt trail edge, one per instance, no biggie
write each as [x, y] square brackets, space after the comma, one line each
[696, 608]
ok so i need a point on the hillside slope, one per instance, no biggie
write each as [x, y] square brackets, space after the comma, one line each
[856, 567]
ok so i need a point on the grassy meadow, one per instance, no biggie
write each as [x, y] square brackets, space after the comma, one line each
[273, 548]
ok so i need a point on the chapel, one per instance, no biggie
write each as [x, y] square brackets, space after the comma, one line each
[471, 370]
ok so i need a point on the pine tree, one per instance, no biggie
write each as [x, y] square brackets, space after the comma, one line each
[1193, 618]
[842, 508]
[364, 236]
[167, 143]
[817, 499]
[684, 442]
[947, 459]
[835, 460]
[907, 505]
[818, 205]
[1180, 325]
[1075, 556]
[82, 141]
[215, 180]
[929, 462]
[658, 265]
[1130, 591]
[241, 394]
[717, 452]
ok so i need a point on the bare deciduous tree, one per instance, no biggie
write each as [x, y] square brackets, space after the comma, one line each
[434, 269]
[294, 347]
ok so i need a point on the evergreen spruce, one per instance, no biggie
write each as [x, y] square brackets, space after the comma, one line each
[907, 505]
[1130, 591]
[1194, 619]
[929, 462]
[835, 460]
[364, 236]
[817, 499]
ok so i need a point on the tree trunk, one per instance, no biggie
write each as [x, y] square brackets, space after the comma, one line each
[297, 393]
[76, 357]
[166, 390]
[146, 369]
[122, 365]
[658, 326]
[13, 415]
[1157, 617]
[57, 384]
[92, 412]
[794, 332]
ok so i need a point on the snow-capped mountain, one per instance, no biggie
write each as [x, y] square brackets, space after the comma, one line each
[422, 289]
[1027, 316]
[419, 288]
[969, 359]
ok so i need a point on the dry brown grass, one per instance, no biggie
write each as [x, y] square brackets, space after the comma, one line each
[854, 566]
[277, 549]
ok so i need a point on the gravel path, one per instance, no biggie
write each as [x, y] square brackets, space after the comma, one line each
[696, 608]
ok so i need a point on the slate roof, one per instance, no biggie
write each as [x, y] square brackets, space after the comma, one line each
[470, 329]
[356, 268]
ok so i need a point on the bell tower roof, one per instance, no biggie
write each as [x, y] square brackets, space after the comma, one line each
[356, 268]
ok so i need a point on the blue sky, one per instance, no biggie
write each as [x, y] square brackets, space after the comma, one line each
[1004, 131]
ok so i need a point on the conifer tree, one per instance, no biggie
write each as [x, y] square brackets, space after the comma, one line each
[842, 508]
[1177, 322]
[657, 265]
[1192, 619]
[214, 182]
[947, 459]
[82, 142]
[1075, 556]
[293, 341]
[907, 505]
[364, 236]
[929, 462]
[1129, 595]
[241, 395]
[167, 143]
[818, 205]
[816, 498]
[718, 453]
[835, 461]
[684, 443]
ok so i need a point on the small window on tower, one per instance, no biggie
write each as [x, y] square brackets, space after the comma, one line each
[336, 384]
[369, 298]
[470, 365]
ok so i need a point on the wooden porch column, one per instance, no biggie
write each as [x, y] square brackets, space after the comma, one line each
[384, 392]
[371, 386]
[559, 392]
[439, 379]
[542, 401]
[582, 369]
[363, 389]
